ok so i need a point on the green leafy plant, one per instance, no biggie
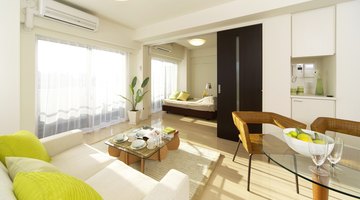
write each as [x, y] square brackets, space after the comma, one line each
[137, 97]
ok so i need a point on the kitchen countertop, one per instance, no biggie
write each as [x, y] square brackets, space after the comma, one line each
[309, 96]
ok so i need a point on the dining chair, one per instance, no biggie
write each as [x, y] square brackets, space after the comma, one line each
[347, 127]
[323, 124]
[252, 142]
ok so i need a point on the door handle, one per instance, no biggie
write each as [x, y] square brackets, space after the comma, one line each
[219, 88]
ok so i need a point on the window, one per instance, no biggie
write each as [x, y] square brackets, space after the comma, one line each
[78, 87]
[163, 81]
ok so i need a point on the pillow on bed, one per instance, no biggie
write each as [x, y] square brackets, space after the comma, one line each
[174, 95]
[183, 96]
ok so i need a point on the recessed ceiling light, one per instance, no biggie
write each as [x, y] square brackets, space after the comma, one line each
[197, 41]
[121, 0]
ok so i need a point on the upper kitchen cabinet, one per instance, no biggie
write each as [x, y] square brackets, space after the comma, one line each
[313, 33]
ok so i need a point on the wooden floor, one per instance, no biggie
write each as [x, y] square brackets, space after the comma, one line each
[229, 179]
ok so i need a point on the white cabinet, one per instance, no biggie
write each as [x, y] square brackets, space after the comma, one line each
[307, 109]
[313, 33]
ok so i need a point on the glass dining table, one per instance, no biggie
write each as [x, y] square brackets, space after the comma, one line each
[344, 178]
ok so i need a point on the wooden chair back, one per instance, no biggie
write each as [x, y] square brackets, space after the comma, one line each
[323, 124]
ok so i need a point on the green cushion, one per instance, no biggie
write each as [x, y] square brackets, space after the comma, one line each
[174, 95]
[183, 96]
[51, 185]
[22, 144]
[21, 164]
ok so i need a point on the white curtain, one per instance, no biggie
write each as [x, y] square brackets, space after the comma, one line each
[163, 81]
[78, 87]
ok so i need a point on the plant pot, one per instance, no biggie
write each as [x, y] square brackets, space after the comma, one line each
[134, 116]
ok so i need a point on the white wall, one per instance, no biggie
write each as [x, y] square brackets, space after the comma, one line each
[347, 65]
[109, 36]
[9, 66]
[276, 67]
[347, 61]
[203, 69]
[179, 54]
[184, 73]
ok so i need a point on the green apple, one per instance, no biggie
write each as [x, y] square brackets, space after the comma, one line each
[319, 141]
[304, 137]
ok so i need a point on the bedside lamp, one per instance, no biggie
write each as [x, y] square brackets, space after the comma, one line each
[207, 87]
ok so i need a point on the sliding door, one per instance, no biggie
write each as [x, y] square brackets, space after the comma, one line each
[239, 77]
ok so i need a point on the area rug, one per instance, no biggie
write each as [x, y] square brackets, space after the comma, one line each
[195, 161]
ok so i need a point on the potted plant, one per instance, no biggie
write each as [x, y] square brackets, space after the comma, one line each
[135, 98]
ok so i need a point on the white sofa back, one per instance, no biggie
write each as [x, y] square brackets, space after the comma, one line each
[56, 144]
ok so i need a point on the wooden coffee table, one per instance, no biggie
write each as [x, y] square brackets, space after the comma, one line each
[125, 153]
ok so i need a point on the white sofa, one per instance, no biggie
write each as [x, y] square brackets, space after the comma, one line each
[111, 178]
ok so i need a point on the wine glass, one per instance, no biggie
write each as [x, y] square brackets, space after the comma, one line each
[318, 154]
[335, 155]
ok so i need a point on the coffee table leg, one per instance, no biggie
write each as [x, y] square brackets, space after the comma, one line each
[320, 192]
[142, 165]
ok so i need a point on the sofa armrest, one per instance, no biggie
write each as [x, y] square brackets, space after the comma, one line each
[60, 142]
[173, 186]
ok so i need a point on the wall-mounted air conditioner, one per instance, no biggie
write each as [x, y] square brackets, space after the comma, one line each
[62, 13]
[164, 47]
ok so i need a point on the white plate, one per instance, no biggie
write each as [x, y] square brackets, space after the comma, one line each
[137, 148]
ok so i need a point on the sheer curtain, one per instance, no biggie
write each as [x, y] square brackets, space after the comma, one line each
[163, 81]
[78, 87]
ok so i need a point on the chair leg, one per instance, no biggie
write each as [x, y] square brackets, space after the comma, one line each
[296, 176]
[249, 170]
[237, 148]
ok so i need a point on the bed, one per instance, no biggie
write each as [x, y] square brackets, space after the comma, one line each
[198, 107]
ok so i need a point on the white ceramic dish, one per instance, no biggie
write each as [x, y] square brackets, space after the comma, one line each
[302, 147]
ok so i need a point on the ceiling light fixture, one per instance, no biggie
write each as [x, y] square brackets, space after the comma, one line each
[121, 0]
[197, 41]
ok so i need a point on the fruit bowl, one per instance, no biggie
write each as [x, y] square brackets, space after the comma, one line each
[300, 144]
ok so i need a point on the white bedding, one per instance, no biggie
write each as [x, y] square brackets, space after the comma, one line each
[203, 104]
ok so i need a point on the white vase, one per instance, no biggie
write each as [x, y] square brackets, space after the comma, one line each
[134, 116]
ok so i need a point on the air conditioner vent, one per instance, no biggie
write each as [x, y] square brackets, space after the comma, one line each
[62, 13]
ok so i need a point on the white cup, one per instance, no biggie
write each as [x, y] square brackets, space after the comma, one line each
[132, 137]
[151, 143]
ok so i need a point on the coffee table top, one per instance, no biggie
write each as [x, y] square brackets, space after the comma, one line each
[143, 152]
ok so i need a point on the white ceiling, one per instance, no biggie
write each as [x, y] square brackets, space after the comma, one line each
[139, 13]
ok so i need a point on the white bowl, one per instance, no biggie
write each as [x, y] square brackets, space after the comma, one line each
[302, 147]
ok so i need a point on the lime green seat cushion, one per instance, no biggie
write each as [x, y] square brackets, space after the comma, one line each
[174, 95]
[183, 96]
[22, 144]
[51, 185]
